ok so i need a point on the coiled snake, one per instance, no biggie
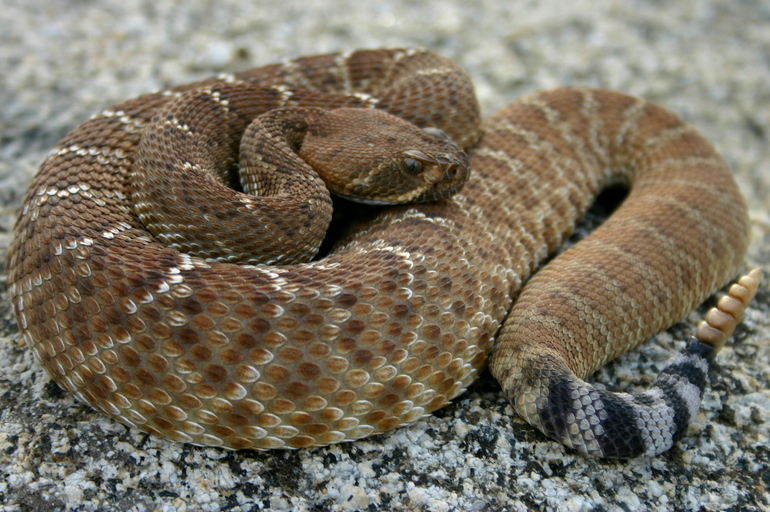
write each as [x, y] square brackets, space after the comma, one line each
[241, 346]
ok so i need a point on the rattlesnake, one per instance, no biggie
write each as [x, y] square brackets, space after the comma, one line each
[404, 312]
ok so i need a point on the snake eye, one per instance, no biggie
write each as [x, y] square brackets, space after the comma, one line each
[411, 166]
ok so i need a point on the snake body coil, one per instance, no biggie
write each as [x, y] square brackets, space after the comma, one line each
[403, 314]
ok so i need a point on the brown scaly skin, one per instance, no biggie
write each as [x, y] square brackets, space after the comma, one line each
[401, 317]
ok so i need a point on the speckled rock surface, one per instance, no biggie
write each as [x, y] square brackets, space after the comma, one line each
[708, 60]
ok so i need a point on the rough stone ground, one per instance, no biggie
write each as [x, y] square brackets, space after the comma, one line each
[709, 60]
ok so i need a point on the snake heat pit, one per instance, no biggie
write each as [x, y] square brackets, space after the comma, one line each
[162, 267]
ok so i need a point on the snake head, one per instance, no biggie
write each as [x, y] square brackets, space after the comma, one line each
[374, 157]
[435, 171]
[444, 173]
